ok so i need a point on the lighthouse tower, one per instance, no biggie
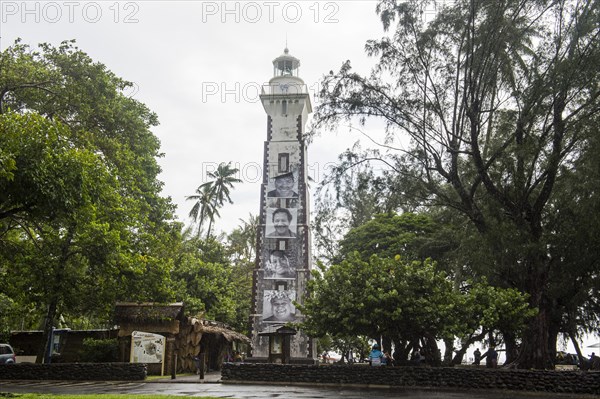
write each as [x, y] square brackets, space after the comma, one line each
[283, 247]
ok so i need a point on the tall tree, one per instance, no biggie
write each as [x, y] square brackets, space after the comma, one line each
[204, 208]
[210, 281]
[216, 192]
[242, 240]
[496, 98]
[241, 243]
[80, 205]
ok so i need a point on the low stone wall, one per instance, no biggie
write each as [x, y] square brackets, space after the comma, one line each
[442, 377]
[74, 371]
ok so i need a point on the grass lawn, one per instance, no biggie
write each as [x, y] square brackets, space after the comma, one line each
[105, 396]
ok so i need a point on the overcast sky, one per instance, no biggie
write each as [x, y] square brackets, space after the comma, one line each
[199, 66]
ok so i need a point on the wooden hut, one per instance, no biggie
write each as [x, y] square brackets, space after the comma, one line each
[187, 338]
[162, 319]
[212, 341]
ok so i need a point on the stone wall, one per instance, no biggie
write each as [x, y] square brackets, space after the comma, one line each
[443, 377]
[74, 371]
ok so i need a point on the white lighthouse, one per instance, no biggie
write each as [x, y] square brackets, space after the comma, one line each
[283, 247]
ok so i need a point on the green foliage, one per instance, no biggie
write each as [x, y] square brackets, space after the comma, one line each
[495, 100]
[8, 313]
[405, 300]
[99, 351]
[413, 236]
[80, 204]
[211, 284]
[212, 195]
[82, 221]
[377, 297]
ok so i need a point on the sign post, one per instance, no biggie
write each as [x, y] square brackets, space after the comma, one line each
[148, 348]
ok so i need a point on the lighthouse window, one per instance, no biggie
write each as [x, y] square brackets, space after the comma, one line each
[284, 107]
[282, 245]
[284, 163]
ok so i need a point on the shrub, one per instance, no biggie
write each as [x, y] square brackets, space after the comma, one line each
[99, 350]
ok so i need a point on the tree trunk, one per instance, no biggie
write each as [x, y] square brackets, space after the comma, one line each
[209, 227]
[464, 346]
[42, 352]
[448, 352]
[582, 363]
[431, 351]
[460, 355]
[512, 349]
[54, 294]
[534, 350]
[552, 339]
[402, 351]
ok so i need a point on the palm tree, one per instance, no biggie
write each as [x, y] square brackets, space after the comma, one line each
[242, 240]
[213, 195]
[204, 208]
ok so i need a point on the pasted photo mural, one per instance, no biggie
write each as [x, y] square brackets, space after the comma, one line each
[280, 259]
[278, 306]
[279, 264]
[284, 185]
[281, 223]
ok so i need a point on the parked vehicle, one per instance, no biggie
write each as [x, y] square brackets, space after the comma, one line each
[7, 354]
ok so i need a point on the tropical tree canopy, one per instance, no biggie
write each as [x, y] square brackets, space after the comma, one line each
[81, 210]
[412, 303]
[212, 195]
[80, 204]
[497, 103]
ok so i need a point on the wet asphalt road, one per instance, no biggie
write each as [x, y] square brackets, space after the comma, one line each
[247, 391]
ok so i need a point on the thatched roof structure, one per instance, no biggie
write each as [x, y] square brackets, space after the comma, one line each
[148, 312]
[217, 328]
[132, 316]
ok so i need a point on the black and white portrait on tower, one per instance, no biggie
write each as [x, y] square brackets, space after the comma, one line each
[278, 306]
[284, 185]
[281, 223]
[279, 264]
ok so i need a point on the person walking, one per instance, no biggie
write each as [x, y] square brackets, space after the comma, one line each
[477, 356]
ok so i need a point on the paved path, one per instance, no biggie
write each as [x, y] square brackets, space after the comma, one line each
[212, 377]
[248, 391]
